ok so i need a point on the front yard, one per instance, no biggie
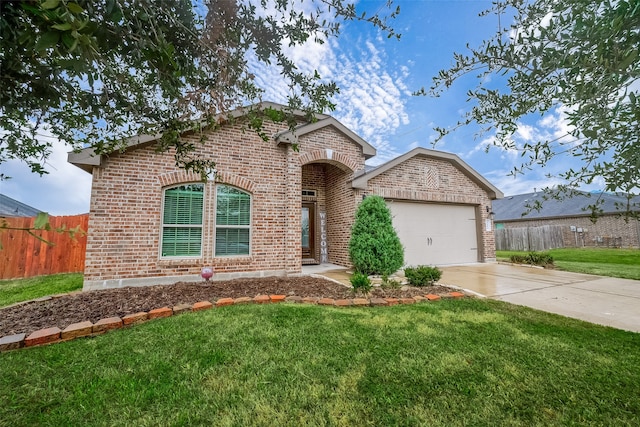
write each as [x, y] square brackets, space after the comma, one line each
[448, 363]
[454, 362]
[624, 263]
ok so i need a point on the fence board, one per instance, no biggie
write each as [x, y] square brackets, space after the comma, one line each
[23, 255]
[529, 238]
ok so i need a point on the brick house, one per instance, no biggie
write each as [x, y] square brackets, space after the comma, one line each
[270, 208]
[573, 218]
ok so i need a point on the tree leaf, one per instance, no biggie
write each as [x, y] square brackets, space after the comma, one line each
[75, 8]
[47, 40]
[42, 221]
[62, 27]
[50, 4]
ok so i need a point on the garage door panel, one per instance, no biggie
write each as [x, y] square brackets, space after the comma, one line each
[436, 234]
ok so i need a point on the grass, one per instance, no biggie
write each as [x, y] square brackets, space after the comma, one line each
[455, 362]
[16, 290]
[624, 263]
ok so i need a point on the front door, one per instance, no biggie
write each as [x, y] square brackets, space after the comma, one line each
[308, 232]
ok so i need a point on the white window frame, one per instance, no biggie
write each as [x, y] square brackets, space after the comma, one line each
[163, 226]
[233, 226]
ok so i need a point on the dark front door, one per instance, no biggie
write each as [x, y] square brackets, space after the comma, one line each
[308, 231]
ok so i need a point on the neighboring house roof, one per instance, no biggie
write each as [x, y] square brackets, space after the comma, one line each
[361, 180]
[86, 159]
[512, 208]
[291, 137]
[10, 207]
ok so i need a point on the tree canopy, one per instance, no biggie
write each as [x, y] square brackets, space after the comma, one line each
[97, 72]
[580, 57]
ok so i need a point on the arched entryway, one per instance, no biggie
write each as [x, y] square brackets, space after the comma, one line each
[328, 205]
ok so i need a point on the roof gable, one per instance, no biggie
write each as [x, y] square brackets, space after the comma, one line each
[361, 181]
[291, 137]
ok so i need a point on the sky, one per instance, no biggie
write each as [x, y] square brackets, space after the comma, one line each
[377, 77]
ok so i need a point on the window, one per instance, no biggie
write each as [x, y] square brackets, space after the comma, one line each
[233, 221]
[182, 221]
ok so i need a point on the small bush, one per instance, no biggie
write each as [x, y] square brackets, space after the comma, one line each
[422, 275]
[360, 282]
[533, 258]
[540, 258]
[390, 283]
[518, 259]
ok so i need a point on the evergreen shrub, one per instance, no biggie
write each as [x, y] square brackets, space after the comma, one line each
[374, 247]
[422, 275]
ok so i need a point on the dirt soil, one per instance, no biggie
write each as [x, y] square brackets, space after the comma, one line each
[95, 305]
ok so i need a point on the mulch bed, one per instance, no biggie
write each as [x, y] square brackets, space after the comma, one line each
[95, 305]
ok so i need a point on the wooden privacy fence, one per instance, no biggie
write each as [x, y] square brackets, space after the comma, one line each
[529, 238]
[22, 255]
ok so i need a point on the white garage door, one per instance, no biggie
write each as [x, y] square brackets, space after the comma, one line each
[434, 234]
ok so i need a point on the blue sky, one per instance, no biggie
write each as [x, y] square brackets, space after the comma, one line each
[376, 76]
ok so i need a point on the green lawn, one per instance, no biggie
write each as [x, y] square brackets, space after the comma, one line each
[623, 263]
[12, 291]
[454, 362]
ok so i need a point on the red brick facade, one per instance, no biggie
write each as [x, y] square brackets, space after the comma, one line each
[125, 223]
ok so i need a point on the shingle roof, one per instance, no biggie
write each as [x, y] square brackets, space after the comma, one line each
[10, 207]
[512, 207]
[86, 158]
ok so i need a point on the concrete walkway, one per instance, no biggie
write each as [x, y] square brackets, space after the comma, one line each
[331, 271]
[603, 300]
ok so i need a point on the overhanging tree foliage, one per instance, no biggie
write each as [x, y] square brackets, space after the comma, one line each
[97, 72]
[582, 56]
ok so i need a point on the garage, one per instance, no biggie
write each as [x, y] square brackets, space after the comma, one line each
[441, 207]
[436, 234]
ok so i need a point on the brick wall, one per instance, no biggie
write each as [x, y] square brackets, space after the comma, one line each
[608, 230]
[432, 180]
[126, 203]
[341, 210]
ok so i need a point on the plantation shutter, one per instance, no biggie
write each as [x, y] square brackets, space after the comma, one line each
[182, 221]
[233, 221]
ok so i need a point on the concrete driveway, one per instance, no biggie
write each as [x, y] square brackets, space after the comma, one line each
[603, 300]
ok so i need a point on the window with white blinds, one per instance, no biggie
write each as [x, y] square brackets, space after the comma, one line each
[182, 221]
[233, 221]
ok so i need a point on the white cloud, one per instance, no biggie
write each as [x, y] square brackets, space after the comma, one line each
[371, 101]
[65, 190]
[555, 124]
[525, 132]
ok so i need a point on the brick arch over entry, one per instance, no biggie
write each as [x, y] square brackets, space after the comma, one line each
[332, 157]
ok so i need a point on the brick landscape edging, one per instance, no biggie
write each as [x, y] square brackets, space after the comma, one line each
[87, 329]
